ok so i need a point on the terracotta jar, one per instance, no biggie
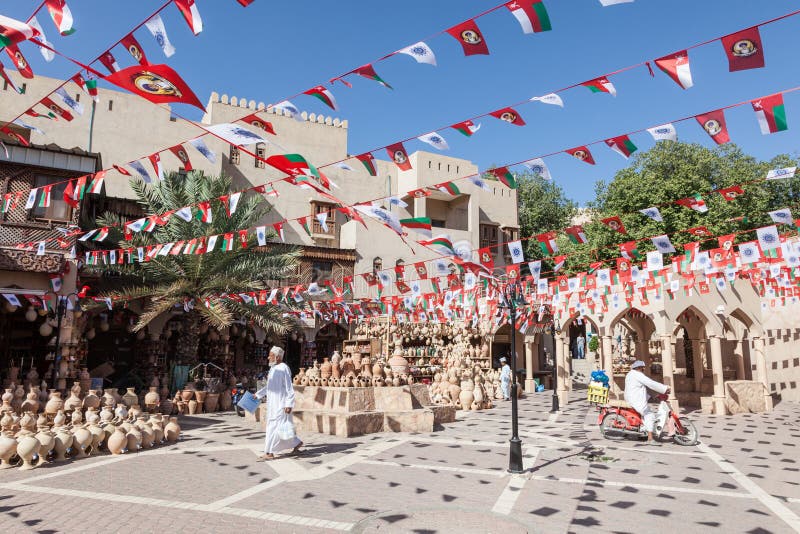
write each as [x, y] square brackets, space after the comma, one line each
[186, 395]
[336, 369]
[200, 396]
[167, 406]
[356, 361]
[130, 398]
[47, 441]
[108, 399]
[366, 370]
[192, 407]
[148, 436]
[82, 440]
[121, 412]
[27, 449]
[63, 442]
[151, 398]
[73, 402]
[211, 402]
[172, 430]
[106, 414]
[117, 442]
[325, 370]
[31, 403]
[85, 379]
[225, 401]
[91, 400]
[54, 404]
[98, 436]
[398, 363]
[8, 448]
[377, 370]
[158, 431]
[134, 439]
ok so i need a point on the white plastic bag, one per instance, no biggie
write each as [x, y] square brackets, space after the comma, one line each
[286, 430]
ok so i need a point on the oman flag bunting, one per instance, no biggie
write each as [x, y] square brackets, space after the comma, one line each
[109, 61]
[57, 110]
[581, 153]
[714, 125]
[622, 145]
[744, 50]
[505, 177]
[96, 187]
[509, 115]
[615, 223]
[601, 85]
[470, 37]
[89, 85]
[576, 234]
[157, 83]
[531, 14]
[466, 128]
[770, 113]
[448, 187]
[398, 154]
[183, 156]
[205, 215]
[547, 241]
[731, 193]
[368, 71]
[325, 96]
[369, 163]
[258, 122]
[189, 11]
[694, 202]
[61, 15]
[135, 49]
[676, 66]
[421, 225]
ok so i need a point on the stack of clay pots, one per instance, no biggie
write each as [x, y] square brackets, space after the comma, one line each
[36, 428]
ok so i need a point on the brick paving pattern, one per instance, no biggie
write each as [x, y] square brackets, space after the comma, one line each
[743, 477]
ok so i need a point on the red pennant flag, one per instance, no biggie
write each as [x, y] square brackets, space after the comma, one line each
[470, 37]
[14, 135]
[19, 60]
[398, 154]
[581, 153]
[182, 155]
[676, 66]
[135, 49]
[56, 109]
[156, 83]
[258, 122]
[369, 163]
[744, 50]
[509, 115]
[714, 125]
[486, 258]
[109, 61]
[122, 170]
[731, 193]
[419, 193]
[699, 231]
[422, 270]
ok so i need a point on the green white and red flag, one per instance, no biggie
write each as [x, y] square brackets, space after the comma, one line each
[227, 242]
[770, 113]
[420, 225]
[369, 163]
[581, 153]
[676, 66]
[279, 230]
[714, 124]
[694, 202]
[101, 234]
[89, 85]
[576, 234]
[61, 15]
[14, 31]
[601, 85]
[325, 96]
[630, 250]
[397, 152]
[622, 145]
[304, 223]
[689, 254]
[547, 242]
[509, 115]
[448, 187]
[558, 263]
[441, 242]
[296, 164]
[44, 198]
[368, 71]
[731, 193]
[231, 202]
[205, 215]
[73, 194]
[531, 15]
[96, 187]
[466, 128]
[505, 177]
[188, 9]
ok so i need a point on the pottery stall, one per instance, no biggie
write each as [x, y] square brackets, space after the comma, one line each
[38, 427]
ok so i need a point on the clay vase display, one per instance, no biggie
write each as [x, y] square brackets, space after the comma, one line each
[73, 401]
[85, 379]
[466, 396]
[167, 406]
[151, 399]
[47, 441]
[54, 404]
[27, 449]
[172, 430]
[8, 448]
[398, 363]
[117, 442]
[377, 370]
[211, 403]
[325, 370]
[134, 439]
[186, 395]
[192, 407]
[148, 436]
[121, 412]
[81, 440]
[225, 402]
[366, 369]
[108, 399]
[130, 398]
[63, 442]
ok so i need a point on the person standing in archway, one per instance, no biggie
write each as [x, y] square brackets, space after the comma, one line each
[580, 343]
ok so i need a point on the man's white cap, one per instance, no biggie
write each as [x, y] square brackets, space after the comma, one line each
[277, 351]
[637, 364]
[502, 360]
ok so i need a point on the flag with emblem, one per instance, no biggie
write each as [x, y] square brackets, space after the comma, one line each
[470, 38]
[531, 15]
[714, 125]
[547, 242]
[622, 145]
[744, 50]
[652, 213]
[189, 10]
[576, 234]
[630, 250]
[156, 27]
[134, 49]
[205, 214]
[109, 61]
[749, 252]
[254, 120]
[157, 83]
[324, 96]
[614, 223]
[435, 140]
[14, 31]
[664, 132]
[421, 53]
[770, 113]
[676, 66]
[781, 216]
[57, 110]
[699, 231]
[731, 193]
[61, 15]
[509, 115]
[694, 202]
[89, 85]
[581, 153]
[768, 238]
[397, 153]
[601, 85]
[227, 242]
[515, 251]
[663, 244]
[777, 174]
[180, 152]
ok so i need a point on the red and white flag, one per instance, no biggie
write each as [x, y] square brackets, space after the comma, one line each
[188, 9]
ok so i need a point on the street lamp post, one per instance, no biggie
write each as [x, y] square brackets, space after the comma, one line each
[515, 443]
[553, 327]
[60, 312]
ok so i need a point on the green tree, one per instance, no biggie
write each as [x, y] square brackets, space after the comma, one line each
[671, 171]
[171, 282]
[542, 207]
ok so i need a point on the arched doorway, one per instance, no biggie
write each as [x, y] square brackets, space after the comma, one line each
[692, 375]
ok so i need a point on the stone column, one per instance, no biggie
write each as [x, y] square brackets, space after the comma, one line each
[563, 374]
[530, 385]
[761, 369]
[715, 346]
[668, 368]
[643, 351]
[567, 364]
[606, 356]
[697, 364]
[740, 373]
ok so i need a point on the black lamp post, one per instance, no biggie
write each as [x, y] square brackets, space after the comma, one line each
[511, 293]
[59, 312]
[554, 326]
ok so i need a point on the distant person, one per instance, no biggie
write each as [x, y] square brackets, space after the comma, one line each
[581, 345]
[505, 379]
[280, 401]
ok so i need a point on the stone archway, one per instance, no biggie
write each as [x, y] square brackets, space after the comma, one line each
[628, 337]
[575, 368]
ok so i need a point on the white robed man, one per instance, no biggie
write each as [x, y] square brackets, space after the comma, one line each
[280, 401]
[505, 379]
[636, 385]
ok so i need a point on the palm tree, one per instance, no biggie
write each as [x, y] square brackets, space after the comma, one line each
[196, 283]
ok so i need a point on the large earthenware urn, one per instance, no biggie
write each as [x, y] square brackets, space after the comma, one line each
[172, 430]
[325, 370]
[73, 402]
[186, 395]
[106, 414]
[466, 395]
[134, 439]
[356, 361]
[98, 435]
[130, 398]
[148, 436]
[377, 370]
[63, 442]
[27, 449]
[398, 363]
[211, 402]
[82, 440]
[8, 448]
[121, 412]
[91, 400]
[54, 404]
[47, 441]
[192, 407]
[151, 398]
[117, 442]
[167, 405]
[158, 431]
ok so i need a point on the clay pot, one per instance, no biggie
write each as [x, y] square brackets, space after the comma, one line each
[152, 398]
[225, 402]
[192, 407]
[82, 440]
[134, 439]
[59, 419]
[47, 442]
[8, 448]
[356, 360]
[186, 395]
[106, 414]
[54, 404]
[201, 398]
[130, 398]
[336, 369]
[108, 399]
[27, 450]
[148, 436]
[85, 379]
[211, 403]
[121, 412]
[325, 370]
[91, 400]
[172, 430]
[377, 370]
[76, 418]
[158, 431]
[166, 407]
[31, 403]
[98, 436]
[466, 397]
[63, 442]
[398, 363]
[118, 441]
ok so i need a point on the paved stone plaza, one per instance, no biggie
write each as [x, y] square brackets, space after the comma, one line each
[744, 477]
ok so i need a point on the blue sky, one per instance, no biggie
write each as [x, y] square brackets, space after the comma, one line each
[274, 49]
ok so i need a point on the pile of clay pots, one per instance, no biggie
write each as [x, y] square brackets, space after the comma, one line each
[41, 427]
[467, 387]
[193, 401]
[356, 371]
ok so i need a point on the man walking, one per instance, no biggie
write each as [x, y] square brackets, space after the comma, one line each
[505, 379]
[280, 401]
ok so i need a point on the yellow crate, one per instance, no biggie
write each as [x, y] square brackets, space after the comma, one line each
[597, 394]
